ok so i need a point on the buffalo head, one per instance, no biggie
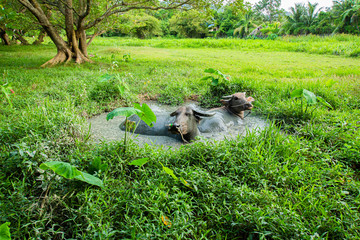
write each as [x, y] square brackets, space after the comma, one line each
[186, 122]
[237, 103]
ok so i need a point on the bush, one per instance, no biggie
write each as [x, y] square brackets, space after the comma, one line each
[104, 91]
[172, 95]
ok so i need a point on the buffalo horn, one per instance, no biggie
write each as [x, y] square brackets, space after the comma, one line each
[229, 96]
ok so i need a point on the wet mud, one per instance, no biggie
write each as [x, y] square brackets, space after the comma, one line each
[103, 130]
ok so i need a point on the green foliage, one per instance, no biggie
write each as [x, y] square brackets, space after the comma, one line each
[310, 99]
[106, 89]
[218, 76]
[4, 229]
[172, 95]
[189, 24]
[97, 165]
[220, 85]
[7, 91]
[146, 114]
[70, 172]
[124, 111]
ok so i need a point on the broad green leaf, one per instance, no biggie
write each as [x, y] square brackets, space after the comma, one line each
[309, 96]
[210, 70]
[146, 114]
[215, 81]
[5, 231]
[323, 102]
[90, 179]
[106, 77]
[207, 77]
[70, 172]
[139, 162]
[124, 111]
[297, 93]
[62, 168]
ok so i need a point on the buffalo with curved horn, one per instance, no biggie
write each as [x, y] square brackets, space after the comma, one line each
[186, 123]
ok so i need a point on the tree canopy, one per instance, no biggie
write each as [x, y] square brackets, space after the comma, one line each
[78, 17]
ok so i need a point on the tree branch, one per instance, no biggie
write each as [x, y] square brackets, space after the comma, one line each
[132, 6]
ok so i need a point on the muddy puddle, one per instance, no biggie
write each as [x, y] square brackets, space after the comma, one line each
[103, 130]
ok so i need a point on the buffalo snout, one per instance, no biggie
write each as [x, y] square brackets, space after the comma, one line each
[238, 103]
[186, 122]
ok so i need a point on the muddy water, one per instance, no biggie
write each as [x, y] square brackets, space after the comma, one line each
[103, 130]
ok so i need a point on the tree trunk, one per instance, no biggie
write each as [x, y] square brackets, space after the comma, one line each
[4, 37]
[40, 38]
[65, 51]
[18, 36]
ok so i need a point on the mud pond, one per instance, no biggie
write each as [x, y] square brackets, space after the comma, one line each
[103, 130]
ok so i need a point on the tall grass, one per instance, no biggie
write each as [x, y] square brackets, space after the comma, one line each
[297, 179]
[343, 45]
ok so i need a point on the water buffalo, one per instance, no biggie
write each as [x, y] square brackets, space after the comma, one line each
[230, 114]
[186, 123]
[169, 124]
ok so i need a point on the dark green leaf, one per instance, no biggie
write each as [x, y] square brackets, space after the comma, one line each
[207, 77]
[146, 114]
[215, 82]
[139, 162]
[61, 168]
[125, 111]
[5, 231]
[210, 70]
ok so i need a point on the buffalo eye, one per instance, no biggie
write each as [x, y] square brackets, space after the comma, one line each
[236, 98]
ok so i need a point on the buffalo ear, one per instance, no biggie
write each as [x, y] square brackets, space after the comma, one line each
[250, 99]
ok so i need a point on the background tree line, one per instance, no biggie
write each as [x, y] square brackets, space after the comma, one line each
[72, 24]
[232, 19]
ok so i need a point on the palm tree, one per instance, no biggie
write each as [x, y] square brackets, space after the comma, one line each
[348, 13]
[310, 15]
[295, 21]
[245, 25]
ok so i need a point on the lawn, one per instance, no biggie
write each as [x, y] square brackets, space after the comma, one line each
[298, 179]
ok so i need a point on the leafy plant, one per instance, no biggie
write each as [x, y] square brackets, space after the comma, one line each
[216, 76]
[127, 57]
[96, 165]
[308, 98]
[7, 90]
[69, 171]
[143, 111]
[5, 231]
[172, 95]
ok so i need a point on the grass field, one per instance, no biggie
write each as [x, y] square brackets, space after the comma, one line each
[298, 179]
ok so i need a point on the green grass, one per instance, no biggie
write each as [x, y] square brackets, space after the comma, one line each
[296, 180]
